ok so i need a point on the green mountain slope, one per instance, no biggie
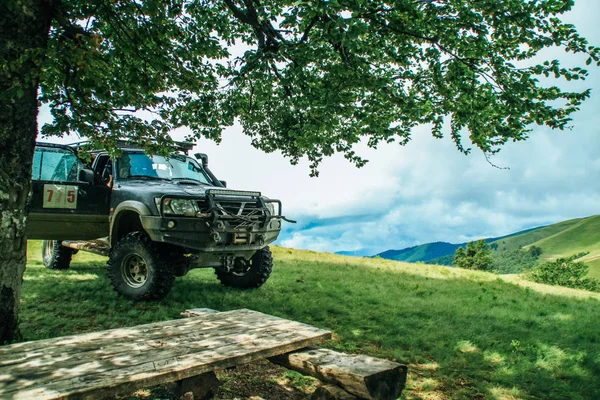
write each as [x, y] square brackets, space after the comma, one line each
[578, 237]
[526, 238]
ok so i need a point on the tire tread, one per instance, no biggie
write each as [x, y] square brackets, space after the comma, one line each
[260, 270]
[61, 256]
[163, 280]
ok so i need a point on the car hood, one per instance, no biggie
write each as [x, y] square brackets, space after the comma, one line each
[159, 188]
[143, 188]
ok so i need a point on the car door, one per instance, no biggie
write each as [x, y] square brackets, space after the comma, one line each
[61, 206]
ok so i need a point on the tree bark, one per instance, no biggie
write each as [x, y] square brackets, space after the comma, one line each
[24, 29]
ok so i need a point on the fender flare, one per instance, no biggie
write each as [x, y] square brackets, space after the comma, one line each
[130, 205]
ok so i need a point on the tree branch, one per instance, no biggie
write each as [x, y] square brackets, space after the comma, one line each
[61, 16]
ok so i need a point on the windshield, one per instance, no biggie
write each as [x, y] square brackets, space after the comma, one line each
[176, 167]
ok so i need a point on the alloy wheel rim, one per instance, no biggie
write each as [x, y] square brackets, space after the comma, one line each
[134, 270]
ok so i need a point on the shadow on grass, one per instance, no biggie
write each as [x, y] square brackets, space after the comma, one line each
[462, 338]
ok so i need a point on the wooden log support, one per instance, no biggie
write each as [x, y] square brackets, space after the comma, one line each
[331, 392]
[363, 376]
[96, 246]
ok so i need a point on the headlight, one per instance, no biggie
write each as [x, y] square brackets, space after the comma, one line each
[184, 207]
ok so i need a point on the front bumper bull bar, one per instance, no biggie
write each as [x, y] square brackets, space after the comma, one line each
[228, 221]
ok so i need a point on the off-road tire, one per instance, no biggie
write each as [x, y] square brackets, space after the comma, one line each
[260, 267]
[127, 255]
[55, 256]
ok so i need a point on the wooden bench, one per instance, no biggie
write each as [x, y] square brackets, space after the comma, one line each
[348, 376]
[97, 364]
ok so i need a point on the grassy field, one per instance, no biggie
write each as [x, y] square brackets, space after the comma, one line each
[464, 334]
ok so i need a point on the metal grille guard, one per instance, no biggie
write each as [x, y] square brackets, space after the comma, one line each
[244, 220]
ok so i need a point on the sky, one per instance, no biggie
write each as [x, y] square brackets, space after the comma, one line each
[427, 191]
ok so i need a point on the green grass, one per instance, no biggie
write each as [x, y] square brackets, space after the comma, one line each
[594, 265]
[464, 334]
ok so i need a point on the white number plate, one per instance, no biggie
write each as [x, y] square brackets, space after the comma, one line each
[60, 196]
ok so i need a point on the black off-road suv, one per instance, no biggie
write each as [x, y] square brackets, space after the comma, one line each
[155, 218]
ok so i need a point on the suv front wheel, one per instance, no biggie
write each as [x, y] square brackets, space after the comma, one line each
[138, 270]
[249, 274]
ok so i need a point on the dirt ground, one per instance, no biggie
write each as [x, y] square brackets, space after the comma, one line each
[259, 380]
[263, 380]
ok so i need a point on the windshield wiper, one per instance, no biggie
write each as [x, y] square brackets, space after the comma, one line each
[189, 180]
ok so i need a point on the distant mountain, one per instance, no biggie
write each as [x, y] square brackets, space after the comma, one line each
[422, 252]
[436, 252]
[563, 239]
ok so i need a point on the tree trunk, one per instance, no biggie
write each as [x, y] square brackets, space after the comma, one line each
[24, 28]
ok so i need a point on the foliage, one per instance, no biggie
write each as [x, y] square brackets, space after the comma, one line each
[565, 272]
[444, 260]
[315, 77]
[475, 255]
[515, 261]
[535, 251]
[464, 334]
[581, 254]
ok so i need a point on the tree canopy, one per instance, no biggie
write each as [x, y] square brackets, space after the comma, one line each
[475, 255]
[313, 77]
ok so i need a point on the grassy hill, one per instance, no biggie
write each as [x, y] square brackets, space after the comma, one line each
[563, 240]
[519, 240]
[464, 334]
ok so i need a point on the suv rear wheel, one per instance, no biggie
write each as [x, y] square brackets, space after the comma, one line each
[138, 270]
[249, 274]
[55, 256]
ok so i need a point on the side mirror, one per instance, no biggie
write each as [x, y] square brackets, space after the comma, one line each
[224, 183]
[87, 176]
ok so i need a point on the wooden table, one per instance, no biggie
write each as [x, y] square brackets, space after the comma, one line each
[125, 359]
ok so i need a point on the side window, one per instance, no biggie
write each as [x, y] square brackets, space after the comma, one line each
[37, 165]
[56, 165]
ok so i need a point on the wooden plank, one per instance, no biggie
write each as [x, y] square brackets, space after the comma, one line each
[123, 360]
[109, 342]
[363, 376]
[167, 348]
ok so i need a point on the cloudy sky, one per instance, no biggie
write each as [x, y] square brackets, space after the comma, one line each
[427, 191]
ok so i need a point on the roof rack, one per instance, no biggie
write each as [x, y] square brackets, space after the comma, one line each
[126, 144]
